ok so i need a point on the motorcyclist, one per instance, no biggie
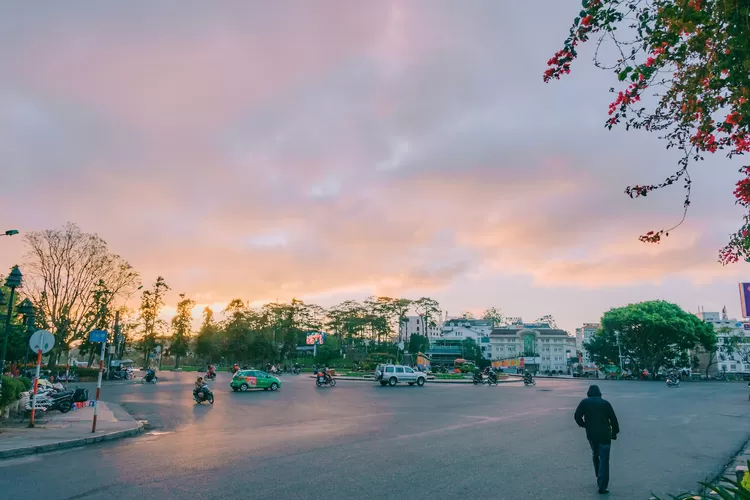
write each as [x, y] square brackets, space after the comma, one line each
[235, 368]
[477, 375]
[492, 376]
[201, 387]
[527, 377]
[211, 372]
[150, 374]
[326, 376]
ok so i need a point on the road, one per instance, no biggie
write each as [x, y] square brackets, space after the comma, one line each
[360, 440]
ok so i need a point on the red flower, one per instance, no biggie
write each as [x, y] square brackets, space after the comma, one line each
[586, 21]
[734, 118]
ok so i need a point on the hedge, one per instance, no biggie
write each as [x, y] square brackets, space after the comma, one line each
[84, 372]
[12, 389]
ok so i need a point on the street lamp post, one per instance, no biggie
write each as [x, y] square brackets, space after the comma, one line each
[13, 281]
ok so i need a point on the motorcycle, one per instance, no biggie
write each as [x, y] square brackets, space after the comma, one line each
[673, 382]
[202, 395]
[210, 376]
[62, 401]
[321, 380]
[295, 370]
[529, 381]
[150, 377]
[478, 379]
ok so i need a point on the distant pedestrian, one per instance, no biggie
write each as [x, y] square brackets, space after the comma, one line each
[598, 418]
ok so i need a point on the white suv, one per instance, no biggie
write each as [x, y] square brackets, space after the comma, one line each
[393, 374]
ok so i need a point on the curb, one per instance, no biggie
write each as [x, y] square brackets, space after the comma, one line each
[433, 381]
[72, 443]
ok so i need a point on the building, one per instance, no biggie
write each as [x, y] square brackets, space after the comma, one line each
[540, 347]
[416, 324]
[463, 328]
[729, 332]
[583, 336]
[460, 329]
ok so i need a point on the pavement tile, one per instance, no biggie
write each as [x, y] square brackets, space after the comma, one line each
[58, 431]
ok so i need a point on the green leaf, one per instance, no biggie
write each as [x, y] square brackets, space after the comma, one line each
[576, 21]
[624, 73]
[585, 3]
[582, 14]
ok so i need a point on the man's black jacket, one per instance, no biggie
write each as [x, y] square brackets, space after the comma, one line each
[597, 417]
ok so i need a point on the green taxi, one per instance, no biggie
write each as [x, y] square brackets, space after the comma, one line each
[245, 380]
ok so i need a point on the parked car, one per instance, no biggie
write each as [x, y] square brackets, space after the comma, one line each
[394, 374]
[244, 380]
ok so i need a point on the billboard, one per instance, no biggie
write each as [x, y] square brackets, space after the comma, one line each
[315, 338]
[745, 299]
[506, 363]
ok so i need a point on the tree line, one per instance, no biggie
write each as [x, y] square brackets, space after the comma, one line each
[77, 285]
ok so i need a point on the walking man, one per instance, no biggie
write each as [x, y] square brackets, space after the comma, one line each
[598, 418]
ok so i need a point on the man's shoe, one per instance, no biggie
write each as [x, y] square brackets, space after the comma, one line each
[603, 492]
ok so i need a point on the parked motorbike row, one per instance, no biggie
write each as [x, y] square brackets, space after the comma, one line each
[124, 374]
[51, 397]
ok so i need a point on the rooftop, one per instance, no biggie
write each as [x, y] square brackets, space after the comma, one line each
[542, 331]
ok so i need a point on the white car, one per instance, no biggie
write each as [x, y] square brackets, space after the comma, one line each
[394, 374]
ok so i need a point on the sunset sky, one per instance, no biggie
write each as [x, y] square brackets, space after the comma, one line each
[336, 149]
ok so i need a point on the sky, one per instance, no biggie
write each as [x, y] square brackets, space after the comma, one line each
[331, 150]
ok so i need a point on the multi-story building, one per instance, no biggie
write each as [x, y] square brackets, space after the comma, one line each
[416, 324]
[733, 346]
[542, 348]
[460, 329]
[584, 335]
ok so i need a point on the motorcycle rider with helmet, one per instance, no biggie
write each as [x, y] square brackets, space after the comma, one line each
[200, 387]
[492, 376]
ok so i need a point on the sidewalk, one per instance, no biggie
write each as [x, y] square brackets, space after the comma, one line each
[58, 431]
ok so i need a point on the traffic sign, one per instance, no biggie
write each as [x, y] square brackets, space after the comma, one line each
[99, 336]
[42, 340]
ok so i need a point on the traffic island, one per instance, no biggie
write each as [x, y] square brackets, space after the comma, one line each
[58, 431]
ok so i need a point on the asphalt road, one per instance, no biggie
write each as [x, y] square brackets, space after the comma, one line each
[360, 440]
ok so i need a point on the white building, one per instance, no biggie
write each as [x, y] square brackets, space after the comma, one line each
[737, 361]
[541, 347]
[584, 334]
[416, 324]
[460, 329]
[463, 328]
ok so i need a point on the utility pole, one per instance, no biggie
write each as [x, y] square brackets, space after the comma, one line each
[115, 339]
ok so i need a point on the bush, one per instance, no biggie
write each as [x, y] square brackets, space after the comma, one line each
[736, 490]
[11, 391]
[27, 383]
[85, 372]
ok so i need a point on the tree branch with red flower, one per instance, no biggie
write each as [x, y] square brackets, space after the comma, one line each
[693, 56]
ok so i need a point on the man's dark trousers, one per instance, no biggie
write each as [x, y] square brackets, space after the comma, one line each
[600, 453]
